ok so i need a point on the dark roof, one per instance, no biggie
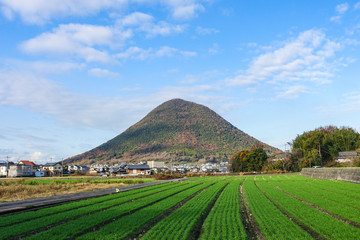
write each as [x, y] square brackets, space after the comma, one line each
[50, 164]
[143, 167]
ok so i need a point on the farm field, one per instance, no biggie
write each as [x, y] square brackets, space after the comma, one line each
[25, 188]
[232, 207]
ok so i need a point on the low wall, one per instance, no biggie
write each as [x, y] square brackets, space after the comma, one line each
[344, 174]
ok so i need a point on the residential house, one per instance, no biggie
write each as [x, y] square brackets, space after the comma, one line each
[52, 169]
[156, 164]
[139, 169]
[347, 156]
[3, 169]
[29, 163]
[20, 170]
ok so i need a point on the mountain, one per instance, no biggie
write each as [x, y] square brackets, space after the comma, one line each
[177, 131]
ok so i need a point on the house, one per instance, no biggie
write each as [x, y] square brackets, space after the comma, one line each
[52, 169]
[20, 170]
[139, 169]
[29, 163]
[347, 156]
[155, 164]
[3, 169]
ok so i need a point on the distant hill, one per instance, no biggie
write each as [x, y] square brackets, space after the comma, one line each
[178, 131]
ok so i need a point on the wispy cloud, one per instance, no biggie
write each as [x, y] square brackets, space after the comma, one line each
[43, 11]
[41, 95]
[292, 92]
[142, 22]
[100, 72]
[142, 54]
[341, 9]
[304, 59]
[206, 31]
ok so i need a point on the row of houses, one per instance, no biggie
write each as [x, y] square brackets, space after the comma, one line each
[27, 169]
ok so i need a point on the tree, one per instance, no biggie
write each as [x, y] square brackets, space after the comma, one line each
[246, 161]
[322, 145]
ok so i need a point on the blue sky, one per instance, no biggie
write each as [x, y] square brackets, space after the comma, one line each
[76, 73]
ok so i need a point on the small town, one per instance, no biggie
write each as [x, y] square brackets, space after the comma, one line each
[25, 168]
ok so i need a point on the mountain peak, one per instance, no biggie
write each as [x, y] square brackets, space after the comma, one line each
[176, 130]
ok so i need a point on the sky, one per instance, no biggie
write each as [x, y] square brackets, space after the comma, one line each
[76, 73]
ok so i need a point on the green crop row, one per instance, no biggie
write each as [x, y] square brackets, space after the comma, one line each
[128, 224]
[326, 194]
[325, 200]
[272, 222]
[179, 224]
[319, 222]
[31, 215]
[224, 220]
[34, 224]
[340, 187]
[80, 225]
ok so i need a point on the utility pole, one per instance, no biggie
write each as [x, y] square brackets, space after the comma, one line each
[7, 166]
[62, 167]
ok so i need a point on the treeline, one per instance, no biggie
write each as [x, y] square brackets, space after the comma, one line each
[319, 147]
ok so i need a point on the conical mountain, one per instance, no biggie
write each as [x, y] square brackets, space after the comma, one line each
[177, 130]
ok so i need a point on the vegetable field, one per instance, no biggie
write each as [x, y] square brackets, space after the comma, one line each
[234, 207]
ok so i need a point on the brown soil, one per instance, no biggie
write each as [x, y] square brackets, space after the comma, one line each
[21, 192]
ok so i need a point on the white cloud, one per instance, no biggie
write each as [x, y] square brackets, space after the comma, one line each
[142, 54]
[206, 31]
[336, 19]
[44, 96]
[43, 67]
[214, 49]
[41, 11]
[292, 92]
[136, 19]
[99, 72]
[142, 22]
[357, 5]
[36, 156]
[304, 59]
[184, 9]
[342, 8]
[79, 40]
